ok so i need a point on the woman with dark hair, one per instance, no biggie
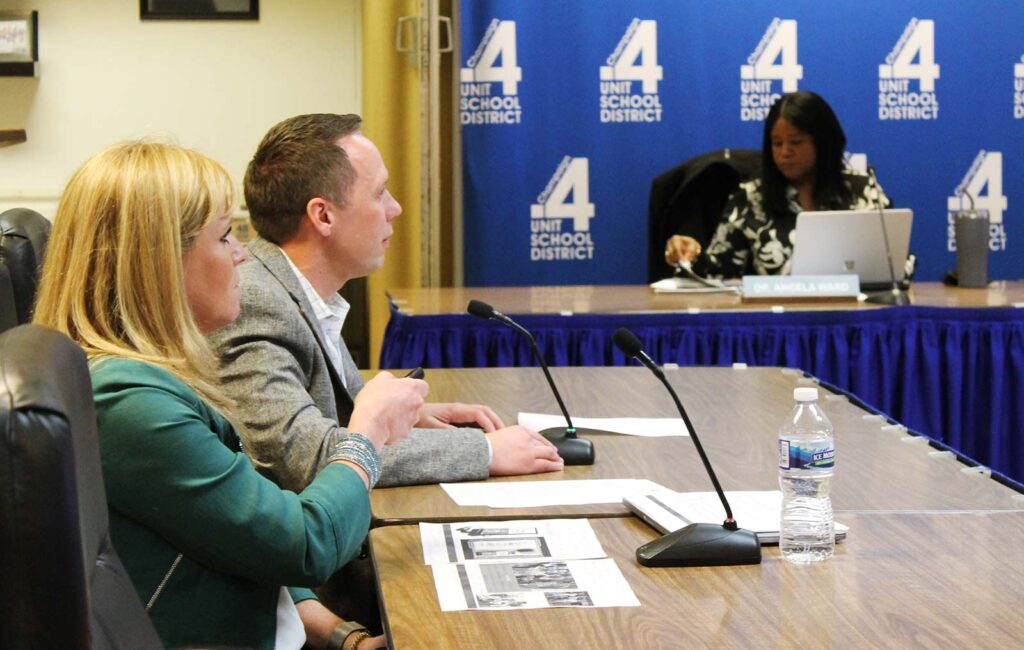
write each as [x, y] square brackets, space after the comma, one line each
[803, 170]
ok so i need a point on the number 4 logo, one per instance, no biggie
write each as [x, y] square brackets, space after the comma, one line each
[917, 42]
[642, 45]
[499, 41]
[778, 44]
[985, 186]
[571, 177]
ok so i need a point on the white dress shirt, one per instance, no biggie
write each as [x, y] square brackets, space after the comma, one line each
[330, 314]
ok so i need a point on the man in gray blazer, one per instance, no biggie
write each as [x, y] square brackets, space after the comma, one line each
[317, 196]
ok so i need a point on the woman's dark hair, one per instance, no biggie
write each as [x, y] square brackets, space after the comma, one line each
[811, 114]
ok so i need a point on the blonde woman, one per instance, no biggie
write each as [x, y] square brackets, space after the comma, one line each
[140, 265]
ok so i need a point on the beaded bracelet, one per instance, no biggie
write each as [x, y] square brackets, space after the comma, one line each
[357, 448]
[358, 637]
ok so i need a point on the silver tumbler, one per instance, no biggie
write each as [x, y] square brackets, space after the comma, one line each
[971, 249]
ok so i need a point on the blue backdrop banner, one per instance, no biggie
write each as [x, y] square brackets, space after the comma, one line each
[569, 109]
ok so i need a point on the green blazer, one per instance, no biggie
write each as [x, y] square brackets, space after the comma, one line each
[178, 482]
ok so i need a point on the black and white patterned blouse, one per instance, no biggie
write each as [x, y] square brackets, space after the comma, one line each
[749, 242]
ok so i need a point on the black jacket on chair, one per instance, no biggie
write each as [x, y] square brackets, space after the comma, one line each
[689, 198]
[61, 583]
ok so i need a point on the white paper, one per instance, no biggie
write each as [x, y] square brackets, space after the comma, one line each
[535, 494]
[537, 539]
[687, 285]
[531, 585]
[647, 427]
[760, 512]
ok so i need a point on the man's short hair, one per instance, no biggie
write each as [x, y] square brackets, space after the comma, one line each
[298, 160]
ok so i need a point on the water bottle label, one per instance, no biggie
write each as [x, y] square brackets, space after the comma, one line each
[807, 455]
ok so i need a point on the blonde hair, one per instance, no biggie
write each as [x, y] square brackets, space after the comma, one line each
[113, 277]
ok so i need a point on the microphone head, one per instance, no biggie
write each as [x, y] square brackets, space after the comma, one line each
[480, 309]
[627, 342]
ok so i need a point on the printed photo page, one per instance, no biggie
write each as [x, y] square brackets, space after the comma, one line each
[532, 585]
[567, 539]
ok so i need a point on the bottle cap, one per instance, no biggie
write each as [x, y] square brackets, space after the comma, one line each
[805, 394]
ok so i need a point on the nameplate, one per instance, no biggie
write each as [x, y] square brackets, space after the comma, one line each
[802, 287]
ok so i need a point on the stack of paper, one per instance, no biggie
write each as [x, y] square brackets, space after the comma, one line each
[686, 285]
[760, 512]
[523, 564]
[536, 494]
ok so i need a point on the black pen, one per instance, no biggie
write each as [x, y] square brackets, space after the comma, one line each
[416, 373]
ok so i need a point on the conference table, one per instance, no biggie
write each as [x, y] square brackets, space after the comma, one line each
[950, 366]
[933, 557]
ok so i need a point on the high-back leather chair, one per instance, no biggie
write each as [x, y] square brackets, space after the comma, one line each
[8, 310]
[23, 237]
[689, 198]
[61, 583]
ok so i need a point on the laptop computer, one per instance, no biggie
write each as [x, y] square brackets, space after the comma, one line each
[851, 242]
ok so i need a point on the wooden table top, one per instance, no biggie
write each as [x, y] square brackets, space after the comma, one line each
[737, 413]
[588, 299]
[920, 580]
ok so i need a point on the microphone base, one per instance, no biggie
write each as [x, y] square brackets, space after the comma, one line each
[573, 449]
[896, 297]
[702, 545]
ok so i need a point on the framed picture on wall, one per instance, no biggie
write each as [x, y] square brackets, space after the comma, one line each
[19, 44]
[200, 9]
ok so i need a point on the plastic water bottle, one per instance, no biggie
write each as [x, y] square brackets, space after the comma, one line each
[806, 463]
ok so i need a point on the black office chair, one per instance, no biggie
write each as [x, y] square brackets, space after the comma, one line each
[61, 583]
[689, 198]
[8, 309]
[23, 237]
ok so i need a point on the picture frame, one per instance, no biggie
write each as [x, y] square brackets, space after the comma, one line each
[19, 44]
[199, 9]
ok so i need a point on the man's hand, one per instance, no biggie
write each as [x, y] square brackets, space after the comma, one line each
[387, 408]
[518, 450]
[447, 415]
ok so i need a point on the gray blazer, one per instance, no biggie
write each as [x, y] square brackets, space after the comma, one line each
[292, 405]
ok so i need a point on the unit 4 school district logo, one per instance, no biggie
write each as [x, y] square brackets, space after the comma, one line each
[552, 237]
[985, 175]
[489, 92]
[629, 83]
[772, 64]
[913, 59]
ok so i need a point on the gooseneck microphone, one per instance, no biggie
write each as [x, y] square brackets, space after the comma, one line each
[573, 449]
[895, 295]
[697, 544]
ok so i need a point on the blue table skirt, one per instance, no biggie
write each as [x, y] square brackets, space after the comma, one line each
[956, 375]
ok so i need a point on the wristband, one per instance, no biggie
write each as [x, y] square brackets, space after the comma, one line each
[342, 632]
[357, 449]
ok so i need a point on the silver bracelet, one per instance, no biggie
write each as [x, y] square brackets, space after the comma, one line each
[357, 449]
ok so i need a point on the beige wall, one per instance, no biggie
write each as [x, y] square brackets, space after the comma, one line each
[216, 86]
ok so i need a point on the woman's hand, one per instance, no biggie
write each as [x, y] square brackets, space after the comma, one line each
[387, 408]
[373, 642]
[680, 248]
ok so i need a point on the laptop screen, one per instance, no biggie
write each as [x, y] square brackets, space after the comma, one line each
[851, 242]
